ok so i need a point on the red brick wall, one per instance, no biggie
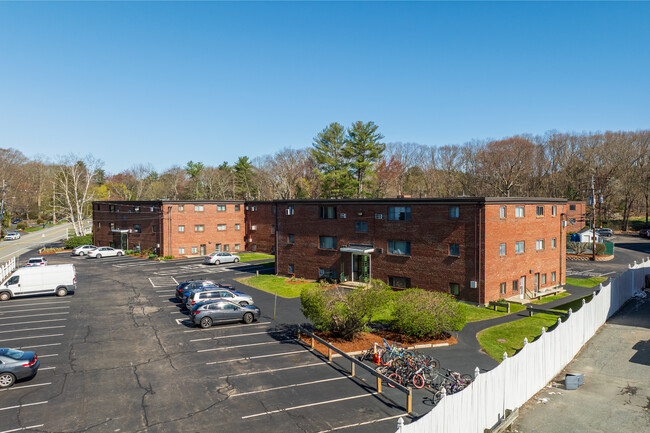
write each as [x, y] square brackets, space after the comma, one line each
[126, 215]
[578, 215]
[210, 218]
[505, 269]
[260, 222]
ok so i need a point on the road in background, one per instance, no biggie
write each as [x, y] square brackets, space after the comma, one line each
[29, 241]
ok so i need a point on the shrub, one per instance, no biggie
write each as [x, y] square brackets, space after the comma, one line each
[152, 256]
[421, 313]
[77, 241]
[340, 311]
[21, 225]
[600, 248]
[129, 252]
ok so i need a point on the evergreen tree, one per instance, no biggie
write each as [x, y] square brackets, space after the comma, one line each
[363, 149]
[244, 176]
[331, 165]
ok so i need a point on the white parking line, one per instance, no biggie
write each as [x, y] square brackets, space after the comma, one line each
[309, 405]
[293, 367]
[18, 406]
[16, 304]
[33, 329]
[47, 356]
[238, 335]
[248, 358]
[33, 315]
[13, 388]
[39, 345]
[245, 345]
[46, 368]
[364, 423]
[293, 385]
[229, 326]
[30, 338]
[23, 428]
[36, 321]
[38, 309]
[166, 290]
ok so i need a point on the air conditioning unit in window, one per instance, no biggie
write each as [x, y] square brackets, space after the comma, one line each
[253, 228]
[472, 284]
[288, 211]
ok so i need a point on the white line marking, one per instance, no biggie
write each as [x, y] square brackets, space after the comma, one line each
[37, 321]
[309, 405]
[34, 315]
[237, 335]
[14, 305]
[245, 345]
[29, 338]
[364, 423]
[293, 385]
[33, 329]
[152, 283]
[166, 290]
[22, 405]
[175, 280]
[38, 309]
[164, 296]
[40, 345]
[47, 356]
[229, 326]
[293, 367]
[179, 321]
[248, 358]
[46, 368]
[24, 428]
[25, 386]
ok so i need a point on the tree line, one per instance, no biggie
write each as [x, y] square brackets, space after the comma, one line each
[354, 162]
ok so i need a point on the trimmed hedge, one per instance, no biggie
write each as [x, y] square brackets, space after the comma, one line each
[421, 313]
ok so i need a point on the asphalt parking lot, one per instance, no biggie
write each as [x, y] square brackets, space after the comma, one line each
[120, 355]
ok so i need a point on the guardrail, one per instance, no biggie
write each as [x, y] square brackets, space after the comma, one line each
[355, 362]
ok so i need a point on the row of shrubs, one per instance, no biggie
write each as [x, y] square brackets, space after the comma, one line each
[415, 313]
[77, 241]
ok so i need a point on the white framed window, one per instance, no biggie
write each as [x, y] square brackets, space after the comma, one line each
[195, 250]
[502, 212]
[226, 247]
[402, 248]
[539, 244]
[543, 279]
[554, 210]
[181, 208]
[520, 247]
[181, 229]
[554, 243]
[237, 207]
[379, 216]
[502, 249]
[199, 228]
[237, 227]
[221, 208]
[519, 212]
[454, 250]
[454, 212]
[327, 242]
[221, 227]
[502, 288]
[198, 208]
[237, 247]
[553, 277]
[539, 211]
[181, 251]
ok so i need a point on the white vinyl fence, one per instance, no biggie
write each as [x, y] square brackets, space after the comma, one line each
[7, 269]
[517, 379]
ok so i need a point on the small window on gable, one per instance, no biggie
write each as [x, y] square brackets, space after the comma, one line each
[502, 212]
[181, 208]
[399, 213]
[454, 212]
[454, 289]
[540, 211]
[221, 208]
[519, 212]
[198, 208]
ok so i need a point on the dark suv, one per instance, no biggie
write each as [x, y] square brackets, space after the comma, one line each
[190, 285]
[644, 233]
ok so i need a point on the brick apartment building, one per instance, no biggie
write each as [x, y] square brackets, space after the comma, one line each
[576, 215]
[479, 249]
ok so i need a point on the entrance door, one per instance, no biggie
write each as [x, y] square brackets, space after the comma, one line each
[203, 249]
[522, 285]
[536, 283]
[360, 267]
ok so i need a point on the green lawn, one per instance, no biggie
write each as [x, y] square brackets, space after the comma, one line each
[509, 337]
[574, 305]
[586, 282]
[551, 298]
[474, 313]
[249, 257]
[273, 284]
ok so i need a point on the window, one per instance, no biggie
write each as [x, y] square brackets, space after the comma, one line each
[273, 229]
[217, 247]
[554, 243]
[237, 207]
[290, 238]
[553, 277]
[226, 247]
[502, 212]
[327, 273]
[515, 286]
[199, 228]
[343, 215]
[572, 207]
[289, 210]
[195, 250]
[137, 228]
[153, 228]
[539, 245]
[292, 268]
[181, 208]
[328, 212]
[454, 289]
[112, 226]
[454, 250]
[111, 208]
[502, 249]
[253, 208]
[237, 247]
[221, 227]
[572, 221]
[519, 247]
[136, 209]
[502, 288]
[519, 212]
[254, 247]
[379, 216]
[553, 210]
[522, 283]
[402, 248]
[254, 228]
[454, 211]
[152, 208]
[237, 227]
[399, 213]
[540, 211]
[543, 279]
[181, 251]
[221, 208]
[198, 208]
[361, 227]
[327, 242]
[399, 282]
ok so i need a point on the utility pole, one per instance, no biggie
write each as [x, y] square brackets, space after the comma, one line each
[593, 220]
[54, 205]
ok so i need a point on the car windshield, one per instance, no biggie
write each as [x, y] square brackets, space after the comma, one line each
[34, 260]
[11, 353]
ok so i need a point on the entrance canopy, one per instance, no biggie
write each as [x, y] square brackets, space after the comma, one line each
[358, 249]
[120, 230]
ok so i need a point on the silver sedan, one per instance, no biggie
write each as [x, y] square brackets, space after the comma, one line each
[105, 252]
[218, 258]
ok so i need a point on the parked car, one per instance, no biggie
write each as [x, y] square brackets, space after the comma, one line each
[105, 252]
[12, 236]
[40, 280]
[644, 233]
[15, 365]
[16, 220]
[218, 258]
[206, 314]
[36, 261]
[211, 294]
[183, 288]
[605, 232]
[82, 250]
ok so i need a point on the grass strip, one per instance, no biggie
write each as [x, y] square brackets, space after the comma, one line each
[586, 282]
[272, 284]
[249, 257]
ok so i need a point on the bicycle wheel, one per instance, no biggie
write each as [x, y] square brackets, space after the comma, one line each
[467, 379]
[396, 377]
[433, 362]
[418, 381]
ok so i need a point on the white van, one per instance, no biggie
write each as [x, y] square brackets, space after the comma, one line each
[40, 280]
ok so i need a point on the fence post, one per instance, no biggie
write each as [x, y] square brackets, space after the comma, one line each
[409, 401]
[329, 353]
[525, 341]
[378, 384]
[400, 424]
[476, 372]
[352, 368]
[505, 356]
[312, 342]
[443, 392]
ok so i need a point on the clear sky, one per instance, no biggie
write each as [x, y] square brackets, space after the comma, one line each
[165, 83]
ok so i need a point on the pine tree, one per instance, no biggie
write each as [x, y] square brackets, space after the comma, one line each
[363, 149]
[331, 165]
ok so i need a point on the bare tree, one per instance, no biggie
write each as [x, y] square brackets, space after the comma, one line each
[75, 178]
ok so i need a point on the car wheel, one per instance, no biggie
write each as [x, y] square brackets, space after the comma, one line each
[217, 262]
[6, 380]
[61, 291]
[236, 260]
[243, 303]
[5, 296]
[82, 253]
[99, 256]
[248, 318]
[206, 322]
[119, 254]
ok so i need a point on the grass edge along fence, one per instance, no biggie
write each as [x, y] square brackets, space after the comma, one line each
[517, 379]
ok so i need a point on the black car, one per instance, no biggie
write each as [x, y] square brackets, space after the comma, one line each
[15, 365]
[16, 220]
[183, 287]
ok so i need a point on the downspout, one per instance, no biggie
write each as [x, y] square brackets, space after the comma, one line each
[277, 230]
[169, 229]
[480, 284]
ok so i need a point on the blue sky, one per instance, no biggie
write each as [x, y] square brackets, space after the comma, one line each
[165, 83]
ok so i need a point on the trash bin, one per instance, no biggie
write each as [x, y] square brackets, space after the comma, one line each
[574, 380]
